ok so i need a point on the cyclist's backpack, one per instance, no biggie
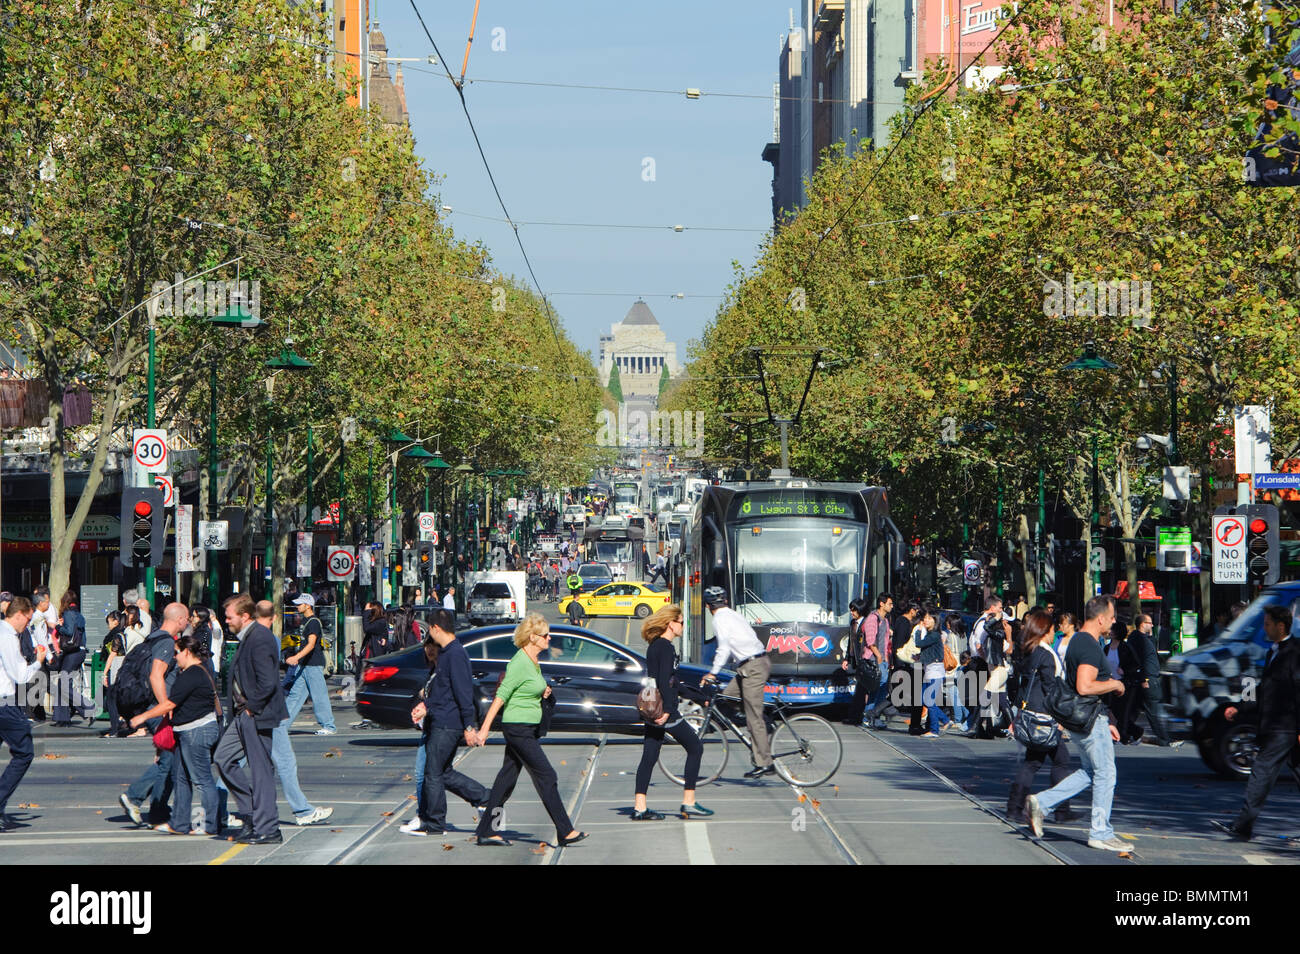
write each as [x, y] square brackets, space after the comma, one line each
[132, 690]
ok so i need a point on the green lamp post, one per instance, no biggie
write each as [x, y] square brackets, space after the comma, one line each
[1091, 361]
[286, 360]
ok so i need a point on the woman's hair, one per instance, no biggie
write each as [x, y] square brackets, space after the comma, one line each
[68, 599]
[192, 644]
[133, 615]
[376, 611]
[113, 617]
[203, 615]
[1118, 631]
[1037, 626]
[859, 606]
[1063, 617]
[534, 624]
[658, 621]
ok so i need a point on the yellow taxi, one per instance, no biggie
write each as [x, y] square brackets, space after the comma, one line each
[619, 599]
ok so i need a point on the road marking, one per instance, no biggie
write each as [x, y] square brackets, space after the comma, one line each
[226, 855]
[1256, 860]
[574, 808]
[698, 849]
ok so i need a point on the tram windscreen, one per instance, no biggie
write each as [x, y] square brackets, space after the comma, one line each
[796, 570]
[613, 551]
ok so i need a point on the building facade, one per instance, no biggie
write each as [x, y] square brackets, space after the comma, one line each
[640, 350]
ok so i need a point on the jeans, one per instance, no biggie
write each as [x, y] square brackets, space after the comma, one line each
[16, 732]
[311, 679]
[421, 756]
[193, 769]
[1097, 756]
[286, 767]
[959, 712]
[155, 782]
[440, 778]
[932, 696]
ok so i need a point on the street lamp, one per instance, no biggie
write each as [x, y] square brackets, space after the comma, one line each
[1091, 361]
[287, 360]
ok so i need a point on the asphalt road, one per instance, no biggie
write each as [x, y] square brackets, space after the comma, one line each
[896, 799]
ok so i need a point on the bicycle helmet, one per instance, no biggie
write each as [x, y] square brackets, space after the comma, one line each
[715, 596]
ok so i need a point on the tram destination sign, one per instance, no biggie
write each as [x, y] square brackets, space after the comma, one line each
[795, 502]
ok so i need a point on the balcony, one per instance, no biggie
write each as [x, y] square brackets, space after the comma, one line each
[830, 13]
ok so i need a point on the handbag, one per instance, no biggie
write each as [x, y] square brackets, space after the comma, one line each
[1075, 712]
[165, 737]
[908, 652]
[548, 710]
[650, 704]
[1034, 730]
[950, 662]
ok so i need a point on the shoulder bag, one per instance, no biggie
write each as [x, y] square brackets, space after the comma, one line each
[908, 652]
[1075, 712]
[1034, 730]
[650, 703]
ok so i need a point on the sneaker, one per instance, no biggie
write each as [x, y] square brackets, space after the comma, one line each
[647, 815]
[414, 827]
[695, 811]
[1113, 843]
[1034, 812]
[312, 817]
[1232, 830]
[952, 727]
[132, 809]
[326, 731]
[234, 821]
[928, 735]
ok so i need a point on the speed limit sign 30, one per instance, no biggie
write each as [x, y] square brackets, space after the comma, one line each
[342, 564]
[149, 449]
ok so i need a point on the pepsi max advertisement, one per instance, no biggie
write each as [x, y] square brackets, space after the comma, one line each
[806, 660]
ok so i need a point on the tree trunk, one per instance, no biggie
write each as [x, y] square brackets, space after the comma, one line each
[277, 575]
[1031, 577]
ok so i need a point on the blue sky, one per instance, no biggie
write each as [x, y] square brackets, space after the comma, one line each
[577, 155]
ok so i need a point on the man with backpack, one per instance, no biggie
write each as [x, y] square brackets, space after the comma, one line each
[310, 659]
[143, 682]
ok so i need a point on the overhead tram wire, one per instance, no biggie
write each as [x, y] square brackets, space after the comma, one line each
[907, 130]
[460, 92]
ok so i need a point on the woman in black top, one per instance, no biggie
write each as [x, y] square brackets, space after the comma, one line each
[196, 721]
[375, 628]
[659, 630]
[1038, 665]
[202, 619]
[113, 651]
[860, 662]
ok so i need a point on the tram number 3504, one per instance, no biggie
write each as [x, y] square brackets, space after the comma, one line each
[821, 616]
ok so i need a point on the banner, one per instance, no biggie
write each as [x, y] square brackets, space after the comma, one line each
[184, 538]
[304, 555]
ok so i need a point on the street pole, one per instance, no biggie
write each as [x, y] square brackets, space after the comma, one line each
[997, 583]
[269, 521]
[1175, 610]
[340, 645]
[214, 571]
[1095, 524]
[1038, 534]
[370, 515]
[151, 419]
[397, 541]
[310, 475]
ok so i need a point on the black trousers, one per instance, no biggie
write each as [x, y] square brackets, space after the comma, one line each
[1274, 749]
[1151, 699]
[16, 732]
[684, 736]
[524, 751]
[866, 682]
[1028, 768]
[115, 722]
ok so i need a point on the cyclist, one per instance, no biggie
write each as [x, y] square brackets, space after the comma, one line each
[738, 641]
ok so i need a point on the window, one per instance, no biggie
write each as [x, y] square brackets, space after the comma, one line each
[494, 647]
[606, 591]
[567, 648]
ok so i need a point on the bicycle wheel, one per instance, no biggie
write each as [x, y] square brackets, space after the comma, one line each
[672, 757]
[806, 749]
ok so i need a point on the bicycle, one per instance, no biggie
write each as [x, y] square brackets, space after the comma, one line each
[806, 749]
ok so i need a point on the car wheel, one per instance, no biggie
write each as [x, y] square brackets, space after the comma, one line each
[642, 611]
[1235, 749]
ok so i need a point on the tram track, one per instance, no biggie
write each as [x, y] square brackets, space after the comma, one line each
[574, 808]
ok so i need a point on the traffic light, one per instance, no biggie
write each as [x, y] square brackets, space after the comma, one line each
[426, 556]
[1263, 563]
[143, 526]
[397, 562]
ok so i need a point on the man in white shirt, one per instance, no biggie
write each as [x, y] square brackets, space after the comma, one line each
[449, 601]
[737, 641]
[45, 620]
[15, 730]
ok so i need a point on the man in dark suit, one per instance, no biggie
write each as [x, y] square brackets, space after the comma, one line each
[258, 705]
[1278, 695]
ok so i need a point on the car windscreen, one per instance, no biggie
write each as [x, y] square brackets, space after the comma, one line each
[1250, 624]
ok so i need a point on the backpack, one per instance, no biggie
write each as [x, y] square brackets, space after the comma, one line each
[133, 692]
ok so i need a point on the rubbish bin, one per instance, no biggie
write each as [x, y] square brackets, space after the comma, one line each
[95, 690]
[228, 650]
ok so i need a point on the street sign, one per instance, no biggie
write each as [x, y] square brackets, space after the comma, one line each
[149, 449]
[342, 564]
[1253, 439]
[410, 573]
[304, 555]
[214, 534]
[1229, 548]
[1277, 481]
[1178, 483]
[433, 537]
[167, 485]
[1173, 548]
[184, 544]
[971, 572]
[424, 522]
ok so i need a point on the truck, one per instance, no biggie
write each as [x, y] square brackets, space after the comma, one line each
[496, 596]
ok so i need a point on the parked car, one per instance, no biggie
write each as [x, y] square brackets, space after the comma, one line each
[619, 599]
[491, 601]
[595, 680]
[1224, 672]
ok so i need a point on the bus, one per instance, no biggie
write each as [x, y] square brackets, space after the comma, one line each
[791, 554]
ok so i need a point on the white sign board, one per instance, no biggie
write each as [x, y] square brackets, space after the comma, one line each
[184, 538]
[971, 572]
[342, 563]
[149, 449]
[410, 575]
[365, 560]
[167, 484]
[214, 534]
[304, 554]
[426, 521]
[1178, 483]
[1229, 548]
[1253, 439]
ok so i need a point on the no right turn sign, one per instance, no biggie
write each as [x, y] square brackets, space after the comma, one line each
[1229, 548]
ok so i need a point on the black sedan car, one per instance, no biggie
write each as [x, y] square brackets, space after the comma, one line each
[595, 679]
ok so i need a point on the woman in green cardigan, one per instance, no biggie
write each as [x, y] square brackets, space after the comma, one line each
[520, 694]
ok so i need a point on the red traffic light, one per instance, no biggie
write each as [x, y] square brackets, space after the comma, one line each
[143, 509]
[1258, 525]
